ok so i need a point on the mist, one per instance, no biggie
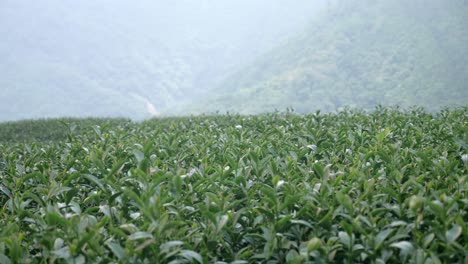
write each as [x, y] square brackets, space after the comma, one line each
[163, 58]
[131, 59]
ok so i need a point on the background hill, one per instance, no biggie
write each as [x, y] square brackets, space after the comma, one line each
[134, 59]
[140, 59]
[360, 53]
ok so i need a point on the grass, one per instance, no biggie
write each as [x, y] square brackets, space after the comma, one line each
[383, 187]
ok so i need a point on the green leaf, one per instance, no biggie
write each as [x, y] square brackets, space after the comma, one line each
[166, 246]
[452, 234]
[118, 166]
[222, 222]
[283, 222]
[58, 244]
[177, 184]
[435, 259]
[381, 236]
[97, 130]
[270, 194]
[57, 191]
[139, 235]
[94, 180]
[53, 218]
[345, 200]
[345, 239]
[191, 255]
[87, 237]
[145, 165]
[116, 249]
[405, 247]
[139, 156]
[319, 170]
[292, 256]
[4, 259]
[63, 253]
[314, 244]
[382, 135]
[428, 239]
[5, 190]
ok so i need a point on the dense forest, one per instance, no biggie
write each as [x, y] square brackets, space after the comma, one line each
[360, 54]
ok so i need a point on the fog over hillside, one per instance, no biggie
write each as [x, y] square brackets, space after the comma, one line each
[359, 54]
[120, 58]
[148, 58]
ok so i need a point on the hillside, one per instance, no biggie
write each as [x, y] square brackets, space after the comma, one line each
[120, 58]
[360, 54]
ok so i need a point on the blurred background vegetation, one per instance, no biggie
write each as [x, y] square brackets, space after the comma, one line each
[54, 130]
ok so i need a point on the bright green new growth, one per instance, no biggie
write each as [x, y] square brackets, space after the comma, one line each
[383, 187]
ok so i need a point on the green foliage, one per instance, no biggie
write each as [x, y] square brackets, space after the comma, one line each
[51, 129]
[387, 186]
[359, 54]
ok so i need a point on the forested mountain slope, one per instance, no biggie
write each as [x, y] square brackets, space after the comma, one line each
[360, 54]
[129, 58]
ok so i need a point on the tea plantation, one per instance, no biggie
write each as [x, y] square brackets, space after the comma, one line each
[387, 186]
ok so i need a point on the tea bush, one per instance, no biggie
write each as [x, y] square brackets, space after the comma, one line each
[388, 186]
